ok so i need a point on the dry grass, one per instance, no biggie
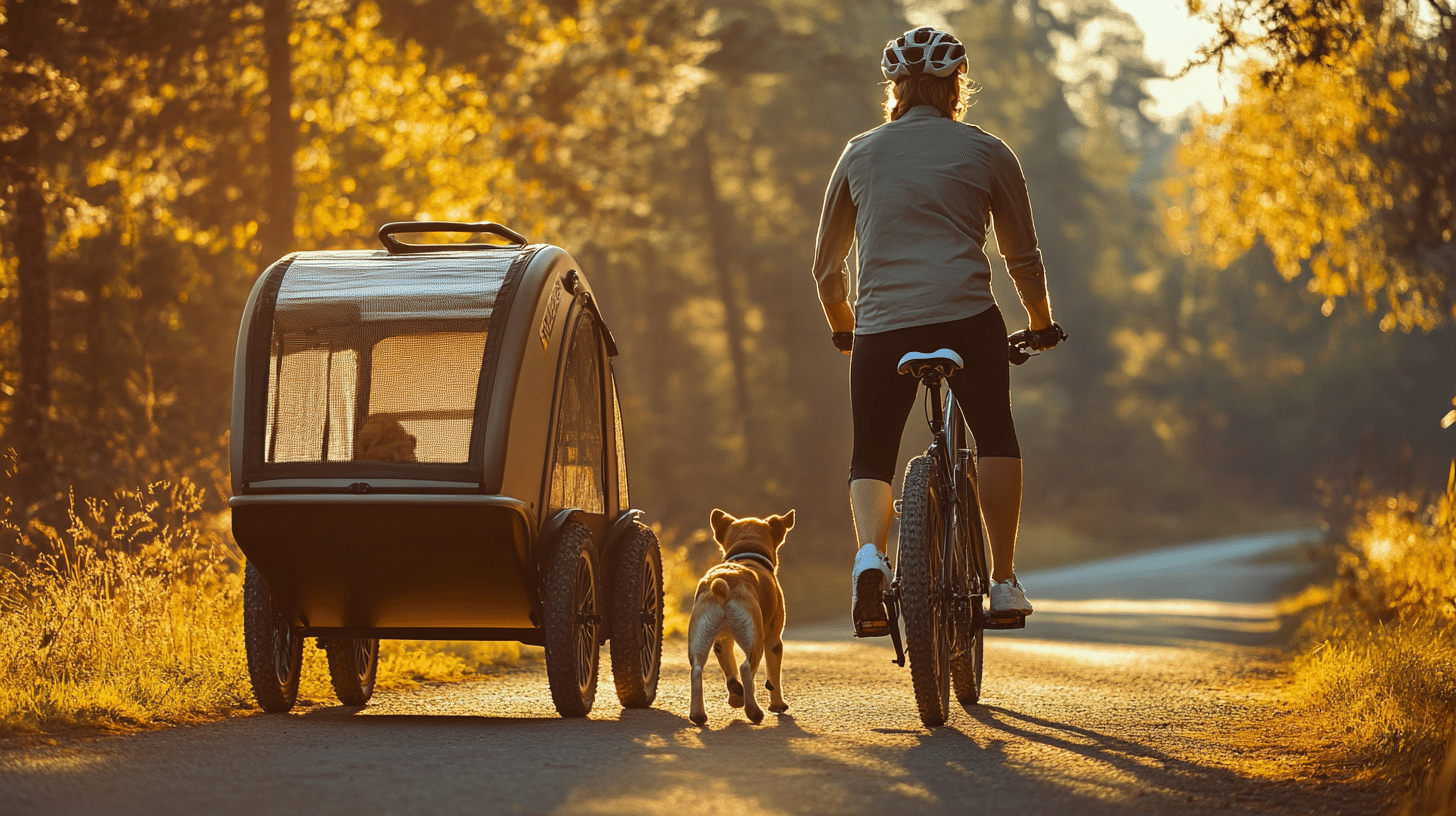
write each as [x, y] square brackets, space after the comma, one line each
[130, 616]
[680, 576]
[133, 616]
[1378, 661]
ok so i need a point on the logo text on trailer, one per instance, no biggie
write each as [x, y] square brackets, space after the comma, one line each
[548, 321]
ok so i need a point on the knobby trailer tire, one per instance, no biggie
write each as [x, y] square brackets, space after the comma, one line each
[353, 665]
[572, 621]
[274, 648]
[926, 640]
[636, 622]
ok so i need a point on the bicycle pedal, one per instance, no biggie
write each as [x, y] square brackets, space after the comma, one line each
[1006, 622]
[871, 629]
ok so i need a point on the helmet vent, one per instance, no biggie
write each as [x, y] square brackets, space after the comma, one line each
[924, 50]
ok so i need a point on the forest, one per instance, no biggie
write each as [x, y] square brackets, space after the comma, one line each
[1259, 300]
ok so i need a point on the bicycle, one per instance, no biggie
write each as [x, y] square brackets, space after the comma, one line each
[942, 573]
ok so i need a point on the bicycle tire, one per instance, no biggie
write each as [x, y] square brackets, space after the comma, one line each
[970, 577]
[926, 642]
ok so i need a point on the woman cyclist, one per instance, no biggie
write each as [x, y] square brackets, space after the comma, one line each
[919, 193]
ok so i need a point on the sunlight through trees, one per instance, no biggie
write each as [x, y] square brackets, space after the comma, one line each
[679, 149]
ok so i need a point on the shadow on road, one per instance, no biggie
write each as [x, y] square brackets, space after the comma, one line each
[1103, 705]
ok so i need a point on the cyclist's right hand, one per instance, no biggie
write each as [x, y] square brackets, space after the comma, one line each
[1043, 339]
[1026, 342]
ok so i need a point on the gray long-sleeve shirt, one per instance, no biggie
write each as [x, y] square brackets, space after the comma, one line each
[920, 193]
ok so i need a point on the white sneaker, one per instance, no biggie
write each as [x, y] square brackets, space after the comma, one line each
[1008, 598]
[872, 576]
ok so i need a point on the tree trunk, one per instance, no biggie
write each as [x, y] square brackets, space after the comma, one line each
[36, 477]
[720, 231]
[659, 358]
[276, 233]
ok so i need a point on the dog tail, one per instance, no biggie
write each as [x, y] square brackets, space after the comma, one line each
[719, 588]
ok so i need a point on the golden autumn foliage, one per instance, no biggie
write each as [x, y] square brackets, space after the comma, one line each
[1337, 156]
[384, 137]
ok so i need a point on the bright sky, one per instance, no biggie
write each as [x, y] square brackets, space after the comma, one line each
[1172, 38]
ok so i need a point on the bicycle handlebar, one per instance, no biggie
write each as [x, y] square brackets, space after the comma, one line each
[1027, 343]
[1020, 346]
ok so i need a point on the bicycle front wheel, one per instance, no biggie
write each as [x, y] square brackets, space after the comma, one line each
[927, 638]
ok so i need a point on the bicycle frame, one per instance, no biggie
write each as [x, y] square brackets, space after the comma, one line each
[960, 520]
[941, 578]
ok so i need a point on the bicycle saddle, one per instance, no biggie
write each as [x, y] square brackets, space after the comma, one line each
[942, 361]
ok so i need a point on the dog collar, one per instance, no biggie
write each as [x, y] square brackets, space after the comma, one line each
[759, 557]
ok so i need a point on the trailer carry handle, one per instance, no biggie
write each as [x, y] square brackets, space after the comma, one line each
[395, 246]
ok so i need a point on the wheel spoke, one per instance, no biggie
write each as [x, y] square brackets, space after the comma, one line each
[361, 657]
[586, 627]
[282, 651]
[650, 632]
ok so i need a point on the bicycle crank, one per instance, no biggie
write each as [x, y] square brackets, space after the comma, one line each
[892, 611]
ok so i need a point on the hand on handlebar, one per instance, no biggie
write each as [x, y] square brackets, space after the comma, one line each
[1027, 342]
[844, 341]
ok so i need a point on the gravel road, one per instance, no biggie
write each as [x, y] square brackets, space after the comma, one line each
[1139, 686]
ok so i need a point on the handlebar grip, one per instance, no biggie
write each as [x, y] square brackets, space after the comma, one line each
[1024, 344]
[395, 246]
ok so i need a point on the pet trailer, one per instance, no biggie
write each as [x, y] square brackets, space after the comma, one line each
[427, 444]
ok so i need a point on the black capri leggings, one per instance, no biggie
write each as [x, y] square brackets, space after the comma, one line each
[881, 398]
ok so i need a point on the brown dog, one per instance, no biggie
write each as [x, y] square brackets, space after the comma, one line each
[739, 601]
[383, 439]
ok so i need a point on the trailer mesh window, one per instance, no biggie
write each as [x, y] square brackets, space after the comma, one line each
[577, 475]
[623, 500]
[378, 358]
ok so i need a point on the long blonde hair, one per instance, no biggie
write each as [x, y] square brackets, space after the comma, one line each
[950, 95]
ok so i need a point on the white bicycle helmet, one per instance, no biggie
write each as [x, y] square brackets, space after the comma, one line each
[924, 50]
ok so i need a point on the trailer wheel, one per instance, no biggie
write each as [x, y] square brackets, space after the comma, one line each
[637, 618]
[572, 621]
[353, 664]
[274, 647]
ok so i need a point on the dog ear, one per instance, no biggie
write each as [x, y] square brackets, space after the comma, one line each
[720, 521]
[780, 526]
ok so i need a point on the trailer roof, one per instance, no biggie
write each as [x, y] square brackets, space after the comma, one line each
[347, 288]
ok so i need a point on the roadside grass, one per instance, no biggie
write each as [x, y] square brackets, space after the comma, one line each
[132, 616]
[680, 573]
[1376, 664]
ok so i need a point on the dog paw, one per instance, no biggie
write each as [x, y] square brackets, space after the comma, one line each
[735, 694]
[699, 717]
[768, 684]
[755, 715]
[779, 708]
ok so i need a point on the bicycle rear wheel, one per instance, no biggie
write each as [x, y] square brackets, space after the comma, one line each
[927, 637]
[970, 577]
